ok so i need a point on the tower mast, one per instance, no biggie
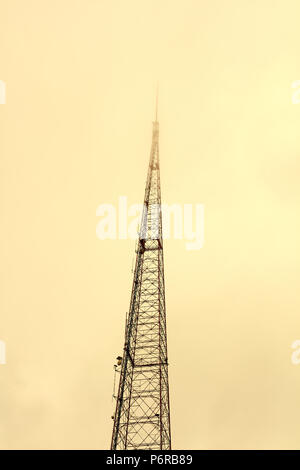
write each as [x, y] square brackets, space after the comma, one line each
[142, 415]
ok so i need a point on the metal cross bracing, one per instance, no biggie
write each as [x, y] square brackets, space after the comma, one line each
[142, 414]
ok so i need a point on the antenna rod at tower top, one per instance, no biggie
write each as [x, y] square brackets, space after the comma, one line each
[156, 111]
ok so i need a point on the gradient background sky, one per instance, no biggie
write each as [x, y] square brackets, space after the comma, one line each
[75, 133]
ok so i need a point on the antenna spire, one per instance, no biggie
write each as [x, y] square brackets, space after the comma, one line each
[156, 111]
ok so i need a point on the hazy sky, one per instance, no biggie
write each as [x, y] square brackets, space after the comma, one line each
[75, 132]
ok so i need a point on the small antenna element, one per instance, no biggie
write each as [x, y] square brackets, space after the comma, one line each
[156, 102]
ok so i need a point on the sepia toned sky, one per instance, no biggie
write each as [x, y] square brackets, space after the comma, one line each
[75, 132]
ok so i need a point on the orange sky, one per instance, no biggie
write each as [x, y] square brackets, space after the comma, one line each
[76, 132]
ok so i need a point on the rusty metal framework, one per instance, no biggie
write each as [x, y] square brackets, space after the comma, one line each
[142, 414]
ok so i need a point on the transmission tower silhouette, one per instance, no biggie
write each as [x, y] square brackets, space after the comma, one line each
[142, 413]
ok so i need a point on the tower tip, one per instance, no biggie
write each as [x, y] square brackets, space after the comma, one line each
[156, 109]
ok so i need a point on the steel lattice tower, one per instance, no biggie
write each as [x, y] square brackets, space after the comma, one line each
[142, 415]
